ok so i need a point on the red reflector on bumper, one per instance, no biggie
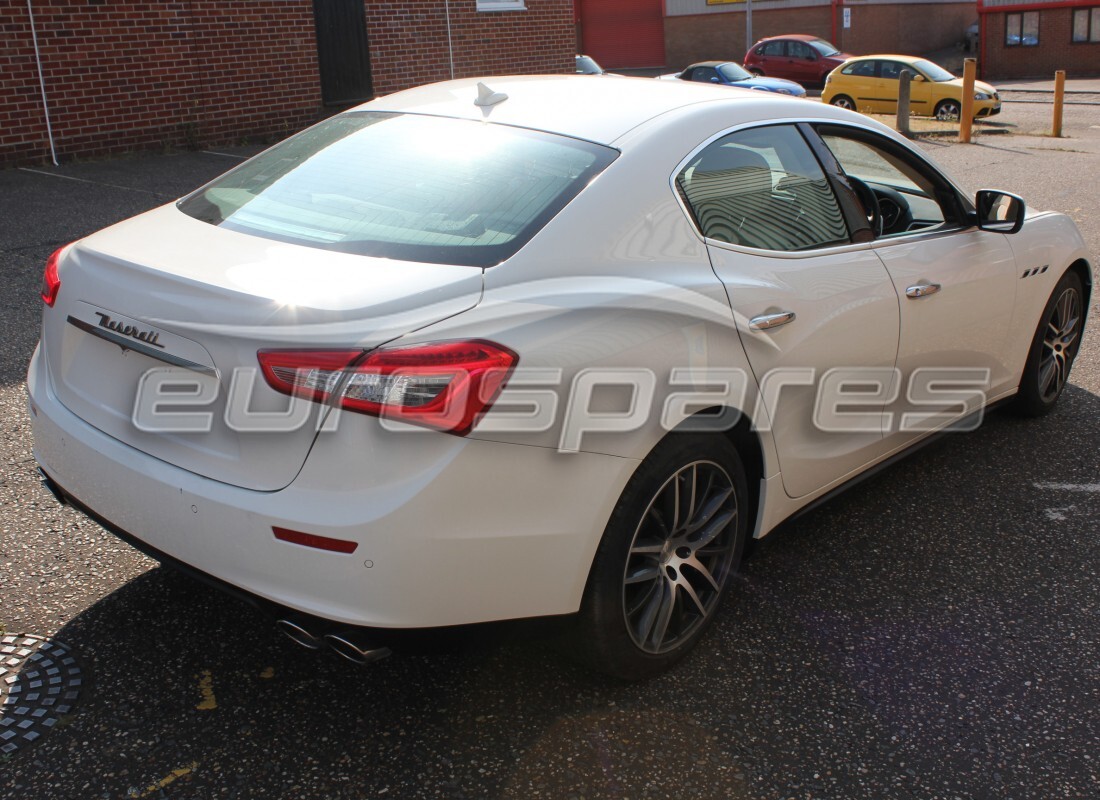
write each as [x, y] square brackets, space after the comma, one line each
[313, 540]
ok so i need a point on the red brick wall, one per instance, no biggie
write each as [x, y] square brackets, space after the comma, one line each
[137, 74]
[721, 37]
[408, 41]
[124, 74]
[911, 29]
[1055, 51]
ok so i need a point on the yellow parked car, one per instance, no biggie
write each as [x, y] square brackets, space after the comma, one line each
[870, 84]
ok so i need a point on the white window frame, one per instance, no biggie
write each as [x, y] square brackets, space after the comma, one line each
[501, 5]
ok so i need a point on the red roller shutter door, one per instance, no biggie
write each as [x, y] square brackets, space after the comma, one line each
[624, 33]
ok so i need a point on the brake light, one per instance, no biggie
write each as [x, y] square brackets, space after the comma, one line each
[51, 283]
[443, 385]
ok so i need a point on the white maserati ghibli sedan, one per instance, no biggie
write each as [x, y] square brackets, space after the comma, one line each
[535, 346]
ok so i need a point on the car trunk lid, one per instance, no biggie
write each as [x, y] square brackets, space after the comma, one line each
[166, 292]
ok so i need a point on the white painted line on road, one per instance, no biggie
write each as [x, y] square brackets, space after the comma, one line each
[1070, 487]
[85, 180]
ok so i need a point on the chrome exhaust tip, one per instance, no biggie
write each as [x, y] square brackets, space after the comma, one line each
[295, 630]
[355, 647]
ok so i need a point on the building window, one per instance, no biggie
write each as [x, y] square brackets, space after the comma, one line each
[501, 5]
[1086, 25]
[1022, 29]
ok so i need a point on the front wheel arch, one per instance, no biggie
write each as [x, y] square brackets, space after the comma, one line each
[1054, 346]
[1081, 267]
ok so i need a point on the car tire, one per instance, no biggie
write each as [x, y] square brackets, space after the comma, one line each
[655, 587]
[1053, 348]
[948, 110]
[843, 101]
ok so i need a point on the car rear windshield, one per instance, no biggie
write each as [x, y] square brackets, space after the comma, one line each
[404, 186]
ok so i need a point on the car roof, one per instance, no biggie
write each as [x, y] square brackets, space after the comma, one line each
[802, 37]
[572, 105]
[891, 57]
[708, 64]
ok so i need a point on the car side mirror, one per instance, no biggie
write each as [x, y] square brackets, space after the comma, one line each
[918, 79]
[714, 80]
[999, 212]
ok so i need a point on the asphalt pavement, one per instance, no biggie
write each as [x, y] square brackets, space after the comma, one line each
[933, 633]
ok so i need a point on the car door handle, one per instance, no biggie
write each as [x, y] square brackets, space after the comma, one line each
[922, 290]
[767, 321]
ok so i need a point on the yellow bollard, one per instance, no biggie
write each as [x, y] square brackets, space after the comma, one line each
[966, 115]
[1059, 95]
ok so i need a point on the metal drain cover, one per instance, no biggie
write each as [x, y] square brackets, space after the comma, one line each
[39, 683]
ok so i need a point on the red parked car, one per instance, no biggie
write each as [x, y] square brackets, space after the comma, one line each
[796, 57]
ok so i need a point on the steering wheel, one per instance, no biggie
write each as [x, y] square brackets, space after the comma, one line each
[869, 200]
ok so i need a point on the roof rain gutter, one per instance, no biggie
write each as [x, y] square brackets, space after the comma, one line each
[42, 84]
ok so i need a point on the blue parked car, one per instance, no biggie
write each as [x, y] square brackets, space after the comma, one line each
[728, 73]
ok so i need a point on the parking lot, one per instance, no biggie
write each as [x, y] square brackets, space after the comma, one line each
[933, 633]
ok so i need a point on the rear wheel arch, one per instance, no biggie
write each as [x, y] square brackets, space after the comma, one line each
[642, 610]
[747, 440]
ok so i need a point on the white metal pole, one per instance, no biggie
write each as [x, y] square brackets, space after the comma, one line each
[450, 46]
[749, 42]
[42, 84]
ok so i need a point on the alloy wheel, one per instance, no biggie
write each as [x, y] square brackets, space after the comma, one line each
[680, 557]
[1059, 344]
[948, 111]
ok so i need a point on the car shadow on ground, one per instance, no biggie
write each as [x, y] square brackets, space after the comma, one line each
[935, 619]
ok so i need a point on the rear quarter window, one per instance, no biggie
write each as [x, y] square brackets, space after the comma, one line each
[865, 69]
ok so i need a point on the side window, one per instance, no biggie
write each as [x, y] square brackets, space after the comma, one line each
[798, 50]
[863, 69]
[909, 195]
[762, 188]
[891, 70]
[705, 74]
[775, 48]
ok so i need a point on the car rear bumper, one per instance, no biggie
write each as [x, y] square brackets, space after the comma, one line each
[463, 530]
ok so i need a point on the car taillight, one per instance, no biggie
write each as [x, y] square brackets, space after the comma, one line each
[50, 280]
[442, 385]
